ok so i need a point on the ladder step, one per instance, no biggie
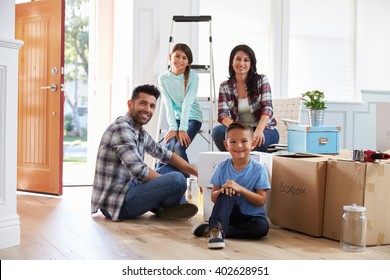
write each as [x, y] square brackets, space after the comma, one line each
[200, 68]
[191, 18]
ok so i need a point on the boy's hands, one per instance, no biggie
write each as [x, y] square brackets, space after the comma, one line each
[231, 188]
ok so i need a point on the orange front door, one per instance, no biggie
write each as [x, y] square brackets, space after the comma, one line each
[40, 25]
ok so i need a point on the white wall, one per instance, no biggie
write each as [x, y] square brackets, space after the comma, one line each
[100, 74]
[9, 219]
[373, 45]
[383, 126]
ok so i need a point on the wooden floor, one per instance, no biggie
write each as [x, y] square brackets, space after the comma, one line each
[62, 228]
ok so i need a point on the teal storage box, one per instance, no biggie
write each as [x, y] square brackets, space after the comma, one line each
[313, 139]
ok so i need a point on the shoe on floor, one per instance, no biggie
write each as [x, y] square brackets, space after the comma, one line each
[105, 213]
[183, 211]
[215, 240]
[200, 230]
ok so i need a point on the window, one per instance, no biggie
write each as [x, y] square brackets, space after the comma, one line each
[233, 23]
[322, 48]
[319, 45]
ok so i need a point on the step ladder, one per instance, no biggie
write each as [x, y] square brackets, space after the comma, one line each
[200, 69]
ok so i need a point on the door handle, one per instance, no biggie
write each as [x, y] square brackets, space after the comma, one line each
[52, 87]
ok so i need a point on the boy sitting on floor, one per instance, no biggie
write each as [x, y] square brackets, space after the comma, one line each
[239, 192]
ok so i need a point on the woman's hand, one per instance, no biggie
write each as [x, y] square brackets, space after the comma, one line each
[184, 139]
[259, 138]
[169, 135]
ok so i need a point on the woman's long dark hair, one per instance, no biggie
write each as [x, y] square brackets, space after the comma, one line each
[186, 49]
[251, 80]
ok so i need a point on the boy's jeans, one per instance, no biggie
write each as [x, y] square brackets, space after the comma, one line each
[234, 223]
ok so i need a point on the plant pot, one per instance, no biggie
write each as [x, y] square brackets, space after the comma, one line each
[316, 117]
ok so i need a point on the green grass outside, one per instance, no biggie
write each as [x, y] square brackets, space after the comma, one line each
[74, 141]
[70, 139]
[75, 160]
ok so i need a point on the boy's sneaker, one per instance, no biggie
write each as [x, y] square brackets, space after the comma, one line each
[183, 211]
[200, 230]
[215, 240]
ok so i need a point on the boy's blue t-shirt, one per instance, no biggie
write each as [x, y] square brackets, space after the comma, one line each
[253, 177]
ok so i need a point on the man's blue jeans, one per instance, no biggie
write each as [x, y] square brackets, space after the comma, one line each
[175, 146]
[165, 191]
[271, 137]
[235, 224]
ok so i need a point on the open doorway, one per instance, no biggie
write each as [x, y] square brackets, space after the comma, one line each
[75, 171]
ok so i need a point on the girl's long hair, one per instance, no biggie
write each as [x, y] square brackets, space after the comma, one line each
[186, 49]
[251, 80]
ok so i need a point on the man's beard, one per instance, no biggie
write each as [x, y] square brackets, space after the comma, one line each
[138, 119]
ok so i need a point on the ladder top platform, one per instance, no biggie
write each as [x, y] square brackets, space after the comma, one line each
[191, 18]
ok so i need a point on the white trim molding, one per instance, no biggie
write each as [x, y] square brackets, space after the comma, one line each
[9, 219]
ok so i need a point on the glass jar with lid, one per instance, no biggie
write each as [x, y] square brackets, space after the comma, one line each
[353, 228]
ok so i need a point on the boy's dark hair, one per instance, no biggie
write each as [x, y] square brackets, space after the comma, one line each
[149, 89]
[239, 125]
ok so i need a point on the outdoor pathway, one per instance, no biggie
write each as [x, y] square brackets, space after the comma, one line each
[76, 173]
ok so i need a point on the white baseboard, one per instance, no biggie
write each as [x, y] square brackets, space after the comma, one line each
[9, 231]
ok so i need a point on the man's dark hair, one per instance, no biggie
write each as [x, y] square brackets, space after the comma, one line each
[148, 89]
[239, 125]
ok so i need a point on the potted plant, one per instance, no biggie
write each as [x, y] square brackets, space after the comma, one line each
[315, 101]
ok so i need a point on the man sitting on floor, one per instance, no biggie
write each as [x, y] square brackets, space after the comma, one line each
[124, 186]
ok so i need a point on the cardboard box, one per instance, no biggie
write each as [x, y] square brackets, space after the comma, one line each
[363, 184]
[266, 159]
[298, 191]
[207, 163]
[314, 140]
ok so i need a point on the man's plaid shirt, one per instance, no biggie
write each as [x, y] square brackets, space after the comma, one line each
[120, 159]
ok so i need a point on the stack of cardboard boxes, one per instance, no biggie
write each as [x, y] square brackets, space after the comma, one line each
[308, 195]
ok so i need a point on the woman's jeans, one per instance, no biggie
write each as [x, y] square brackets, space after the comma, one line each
[162, 192]
[175, 146]
[271, 137]
[235, 224]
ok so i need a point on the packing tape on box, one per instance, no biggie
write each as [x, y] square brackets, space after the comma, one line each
[359, 168]
[380, 238]
[378, 168]
[370, 187]
[381, 170]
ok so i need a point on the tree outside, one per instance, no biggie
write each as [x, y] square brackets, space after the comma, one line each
[76, 81]
[76, 67]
